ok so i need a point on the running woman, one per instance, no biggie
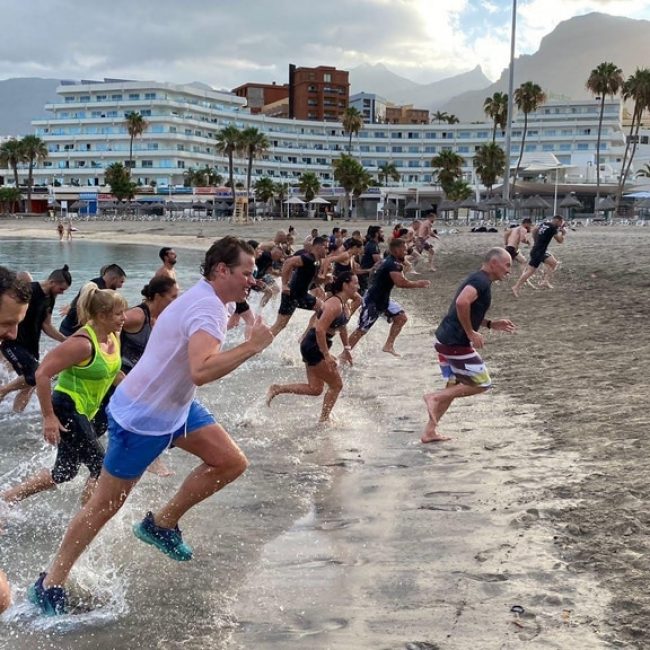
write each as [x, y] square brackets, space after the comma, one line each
[87, 364]
[321, 366]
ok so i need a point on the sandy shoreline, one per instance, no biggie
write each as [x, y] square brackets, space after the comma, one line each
[539, 501]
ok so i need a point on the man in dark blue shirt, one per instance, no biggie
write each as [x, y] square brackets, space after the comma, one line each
[542, 237]
[371, 256]
[458, 339]
[377, 301]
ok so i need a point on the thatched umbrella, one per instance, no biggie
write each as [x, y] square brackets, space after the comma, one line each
[570, 201]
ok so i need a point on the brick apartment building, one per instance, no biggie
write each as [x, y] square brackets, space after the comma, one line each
[320, 93]
[406, 115]
[260, 95]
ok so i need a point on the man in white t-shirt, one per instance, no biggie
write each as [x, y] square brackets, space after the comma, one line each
[154, 406]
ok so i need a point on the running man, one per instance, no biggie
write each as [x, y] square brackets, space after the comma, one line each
[24, 352]
[371, 256]
[14, 301]
[377, 301]
[425, 233]
[112, 276]
[513, 238]
[155, 406]
[168, 257]
[458, 339]
[298, 273]
[542, 237]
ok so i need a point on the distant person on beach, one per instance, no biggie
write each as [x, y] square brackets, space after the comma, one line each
[321, 366]
[69, 229]
[23, 353]
[423, 239]
[514, 237]
[458, 339]
[60, 229]
[377, 301]
[155, 406]
[168, 258]
[14, 300]
[86, 364]
[542, 237]
[112, 276]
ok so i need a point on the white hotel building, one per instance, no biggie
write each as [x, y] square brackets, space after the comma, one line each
[85, 132]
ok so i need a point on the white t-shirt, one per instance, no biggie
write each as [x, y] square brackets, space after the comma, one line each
[155, 397]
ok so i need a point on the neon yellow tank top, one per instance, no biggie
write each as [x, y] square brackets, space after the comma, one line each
[87, 385]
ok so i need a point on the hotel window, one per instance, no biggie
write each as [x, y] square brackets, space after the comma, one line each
[150, 95]
[134, 96]
[84, 98]
[147, 163]
[100, 98]
[414, 149]
[582, 146]
[396, 135]
[380, 134]
[547, 147]
[397, 149]
[180, 164]
[116, 98]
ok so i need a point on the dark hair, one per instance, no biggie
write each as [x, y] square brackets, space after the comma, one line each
[526, 220]
[319, 241]
[396, 243]
[12, 285]
[335, 230]
[340, 280]
[224, 251]
[252, 243]
[113, 269]
[163, 252]
[403, 232]
[61, 275]
[353, 242]
[159, 285]
[372, 232]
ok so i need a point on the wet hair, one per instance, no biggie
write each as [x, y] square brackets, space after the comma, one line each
[61, 276]
[114, 270]
[497, 251]
[94, 302]
[353, 242]
[11, 285]
[252, 243]
[226, 250]
[159, 285]
[396, 243]
[340, 280]
[163, 252]
[319, 241]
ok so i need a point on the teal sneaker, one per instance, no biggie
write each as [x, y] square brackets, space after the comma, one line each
[168, 540]
[52, 601]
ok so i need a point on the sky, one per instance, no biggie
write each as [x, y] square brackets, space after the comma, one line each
[225, 43]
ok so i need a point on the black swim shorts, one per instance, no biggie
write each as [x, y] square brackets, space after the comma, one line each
[290, 303]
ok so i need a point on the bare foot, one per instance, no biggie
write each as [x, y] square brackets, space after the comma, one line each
[271, 393]
[433, 268]
[529, 283]
[391, 350]
[431, 434]
[546, 284]
[159, 468]
[515, 291]
[430, 401]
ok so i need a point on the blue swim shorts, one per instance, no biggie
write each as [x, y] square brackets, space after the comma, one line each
[129, 454]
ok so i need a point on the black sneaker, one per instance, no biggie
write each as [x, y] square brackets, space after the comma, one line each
[52, 601]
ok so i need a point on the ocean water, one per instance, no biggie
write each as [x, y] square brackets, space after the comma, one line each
[136, 595]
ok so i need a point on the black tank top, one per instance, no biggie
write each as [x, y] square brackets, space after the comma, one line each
[133, 344]
[340, 321]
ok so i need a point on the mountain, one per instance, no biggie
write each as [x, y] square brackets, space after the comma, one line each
[22, 100]
[565, 57]
[380, 80]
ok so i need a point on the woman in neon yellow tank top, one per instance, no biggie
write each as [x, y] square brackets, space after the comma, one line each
[87, 364]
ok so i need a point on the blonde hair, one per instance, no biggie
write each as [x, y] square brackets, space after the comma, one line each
[94, 301]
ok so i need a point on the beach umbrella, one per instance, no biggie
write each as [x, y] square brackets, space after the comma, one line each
[447, 206]
[319, 200]
[498, 202]
[570, 201]
[529, 203]
[412, 205]
[607, 204]
[294, 200]
[427, 206]
[470, 204]
[541, 203]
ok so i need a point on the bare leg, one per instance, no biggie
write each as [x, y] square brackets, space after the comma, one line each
[355, 337]
[529, 271]
[334, 386]
[89, 488]
[395, 328]
[5, 592]
[159, 468]
[314, 387]
[106, 500]
[280, 323]
[223, 462]
[38, 483]
[18, 383]
[22, 399]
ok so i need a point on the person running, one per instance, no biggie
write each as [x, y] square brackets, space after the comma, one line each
[23, 352]
[371, 256]
[458, 339]
[345, 261]
[424, 235]
[265, 273]
[377, 301]
[112, 276]
[155, 406]
[168, 257]
[60, 230]
[542, 237]
[513, 238]
[87, 363]
[298, 274]
[320, 365]
[15, 294]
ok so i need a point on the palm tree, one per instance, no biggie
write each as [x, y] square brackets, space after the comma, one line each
[644, 171]
[352, 122]
[264, 191]
[195, 177]
[440, 116]
[309, 185]
[9, 197]
[637, 88]
[452, 119]
[388, 171]
[228, 140]
[448, 167]
[11, 155]
[136, 125]
[528, 97]
[605, 79]
[119, 179]
[34, 150]
[281, 190]
[490, 163]
[349, 173]
[496, 107]
[253, 143]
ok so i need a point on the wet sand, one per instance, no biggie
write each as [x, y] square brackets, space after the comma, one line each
[537, 502]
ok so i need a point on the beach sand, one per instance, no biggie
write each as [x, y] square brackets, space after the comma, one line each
[538, 502]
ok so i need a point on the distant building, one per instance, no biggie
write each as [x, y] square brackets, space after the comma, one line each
[371, 106]
[406, 115]
[259, 95]
[277, 109]
[320, 94]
